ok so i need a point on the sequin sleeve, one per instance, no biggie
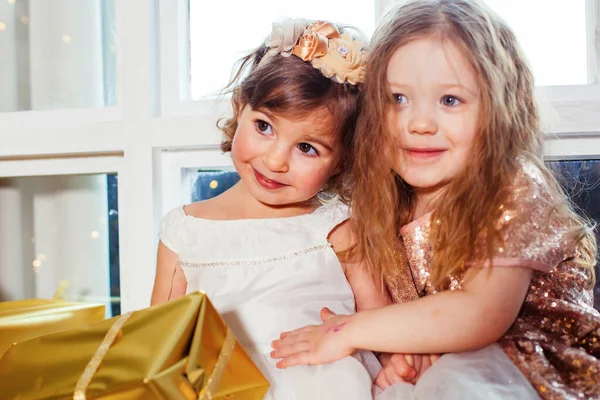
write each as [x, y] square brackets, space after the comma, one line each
[533, 232]
[411, 278]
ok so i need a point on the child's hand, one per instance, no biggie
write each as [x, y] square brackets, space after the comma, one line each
[396, 368]
[314, 344]
[403, 368]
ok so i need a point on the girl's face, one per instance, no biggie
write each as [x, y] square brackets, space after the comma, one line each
[436, 112]
[284, 161]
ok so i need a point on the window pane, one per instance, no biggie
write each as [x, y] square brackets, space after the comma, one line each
[209, 183]
[57, 54]
[553, 37]
[112, 190]
[60, 229]
[243, 30]
[581, 181]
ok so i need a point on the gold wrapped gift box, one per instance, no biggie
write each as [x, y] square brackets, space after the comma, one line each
[25, 319]
[178, 350]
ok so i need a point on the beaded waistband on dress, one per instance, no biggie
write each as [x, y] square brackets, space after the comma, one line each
[254, 261]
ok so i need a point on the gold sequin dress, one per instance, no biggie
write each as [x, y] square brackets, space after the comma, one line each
[555, 341]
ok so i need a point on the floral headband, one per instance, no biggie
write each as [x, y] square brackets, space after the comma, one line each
[337, 55]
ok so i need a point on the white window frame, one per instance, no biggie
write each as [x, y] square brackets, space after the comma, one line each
[593, 40]
[151, 135]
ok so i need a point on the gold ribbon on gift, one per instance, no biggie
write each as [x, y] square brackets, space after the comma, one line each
[212, 384]
[114, 333]
[60, 290]
[90, 370]
[315, 41]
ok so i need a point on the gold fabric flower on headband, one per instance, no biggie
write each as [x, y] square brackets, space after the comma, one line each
[315, 40]
[337, 56]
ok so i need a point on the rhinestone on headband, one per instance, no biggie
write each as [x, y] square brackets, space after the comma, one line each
[343, 50]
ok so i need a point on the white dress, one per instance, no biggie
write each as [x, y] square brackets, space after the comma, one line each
[485, 374]
[266, 276]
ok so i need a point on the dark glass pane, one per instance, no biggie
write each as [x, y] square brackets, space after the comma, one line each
[211, 183]
[113, 242]
[581, 181]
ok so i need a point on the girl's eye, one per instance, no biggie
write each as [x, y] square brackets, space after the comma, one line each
[264, 127]
[307, 149]
[399, 98]
[450, 101]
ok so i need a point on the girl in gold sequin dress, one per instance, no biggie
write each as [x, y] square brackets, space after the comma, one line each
[482, 253]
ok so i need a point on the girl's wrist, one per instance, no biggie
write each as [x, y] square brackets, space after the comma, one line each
[347, 331]
[358, 331]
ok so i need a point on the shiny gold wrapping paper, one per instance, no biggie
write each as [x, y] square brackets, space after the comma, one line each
[177, 350]
[25, 319]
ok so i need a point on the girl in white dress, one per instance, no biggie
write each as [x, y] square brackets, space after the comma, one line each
[264, 251]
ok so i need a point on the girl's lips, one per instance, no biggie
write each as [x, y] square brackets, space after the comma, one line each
[424, 154]
[266, 182]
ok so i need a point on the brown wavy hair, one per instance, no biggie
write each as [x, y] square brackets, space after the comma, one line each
[290, 87]
[509, 131]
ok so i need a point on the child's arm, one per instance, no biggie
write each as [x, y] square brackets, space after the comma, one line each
[369, 291]
[169, 282]
[449, 321]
